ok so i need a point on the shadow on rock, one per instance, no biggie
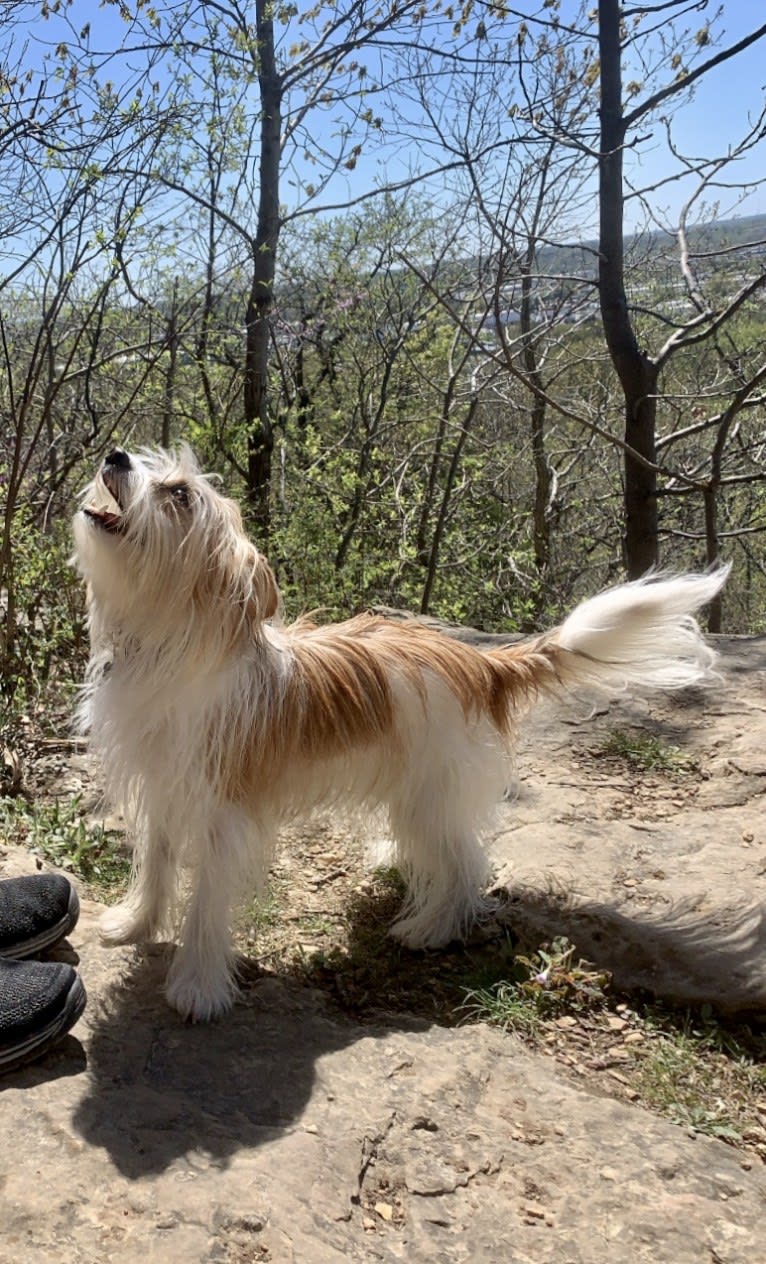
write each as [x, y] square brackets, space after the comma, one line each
[162, 1092]
[165, 1093]
[64, 1061]
[679, 954]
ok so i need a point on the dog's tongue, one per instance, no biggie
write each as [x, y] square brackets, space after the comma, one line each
[105, 518]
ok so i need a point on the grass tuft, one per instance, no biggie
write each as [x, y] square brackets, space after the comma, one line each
[546, 985]
[703, 1075]
[60, 833]
[646, 752]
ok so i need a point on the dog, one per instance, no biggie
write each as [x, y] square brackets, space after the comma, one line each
[216, 722]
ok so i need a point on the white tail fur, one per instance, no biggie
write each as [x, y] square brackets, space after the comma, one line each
[642, 633]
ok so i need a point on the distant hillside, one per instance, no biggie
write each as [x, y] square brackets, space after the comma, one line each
[581, 257]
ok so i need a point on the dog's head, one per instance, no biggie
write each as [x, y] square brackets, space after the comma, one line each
[165, 554]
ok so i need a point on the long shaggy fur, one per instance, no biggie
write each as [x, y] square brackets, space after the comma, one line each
[215, 722]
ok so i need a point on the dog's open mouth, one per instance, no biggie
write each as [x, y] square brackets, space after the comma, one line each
[105, 510]
[104, 519]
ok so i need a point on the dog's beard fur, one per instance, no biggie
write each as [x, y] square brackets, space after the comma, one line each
[215, 722]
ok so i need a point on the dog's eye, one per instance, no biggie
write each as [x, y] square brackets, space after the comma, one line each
[179, 493]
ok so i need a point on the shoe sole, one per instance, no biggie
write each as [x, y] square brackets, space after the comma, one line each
[39, 1042]
[48, 937]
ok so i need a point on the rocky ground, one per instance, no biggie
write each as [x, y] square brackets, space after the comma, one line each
[342, 1112]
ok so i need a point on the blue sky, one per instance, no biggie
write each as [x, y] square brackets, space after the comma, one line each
[724, 99]
[723, 102]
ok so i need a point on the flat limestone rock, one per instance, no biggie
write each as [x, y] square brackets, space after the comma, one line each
[287, 1134]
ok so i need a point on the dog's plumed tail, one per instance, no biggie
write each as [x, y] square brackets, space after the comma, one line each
[641, 634]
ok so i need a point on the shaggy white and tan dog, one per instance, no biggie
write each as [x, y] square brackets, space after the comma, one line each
[215, 722]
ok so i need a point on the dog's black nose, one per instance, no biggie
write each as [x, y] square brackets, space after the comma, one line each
[118, 459]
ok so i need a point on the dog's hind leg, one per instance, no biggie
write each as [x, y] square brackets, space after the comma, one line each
[201, 983]
[436, 817]
[143, 914]
[442, 905]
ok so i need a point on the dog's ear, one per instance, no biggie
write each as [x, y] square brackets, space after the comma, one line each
[248, 577]
[264, 600]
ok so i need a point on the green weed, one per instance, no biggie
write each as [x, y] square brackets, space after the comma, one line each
[263, 913]
[547, 984]
[701, 1074]
[646, 752]
[60, 833]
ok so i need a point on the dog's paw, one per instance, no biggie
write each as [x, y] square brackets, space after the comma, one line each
[434, 925]
[433, 928]
[120, 924]
[418, 933]
[198, 1002]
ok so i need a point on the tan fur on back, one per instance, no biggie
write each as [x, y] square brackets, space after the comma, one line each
[344, 674]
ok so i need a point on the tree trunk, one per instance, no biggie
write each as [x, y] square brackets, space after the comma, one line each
[635, 370]
[541, 533]
[432, 482]
[712, 548]
[544, 473]
[260, 433]
[441, 521]
[169, 388]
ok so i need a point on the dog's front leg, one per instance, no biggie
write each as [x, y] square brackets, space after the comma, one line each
[142, 915]
[200, 983]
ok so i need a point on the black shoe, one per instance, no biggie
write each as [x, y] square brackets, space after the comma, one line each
[36, 911]
[39, 1002]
